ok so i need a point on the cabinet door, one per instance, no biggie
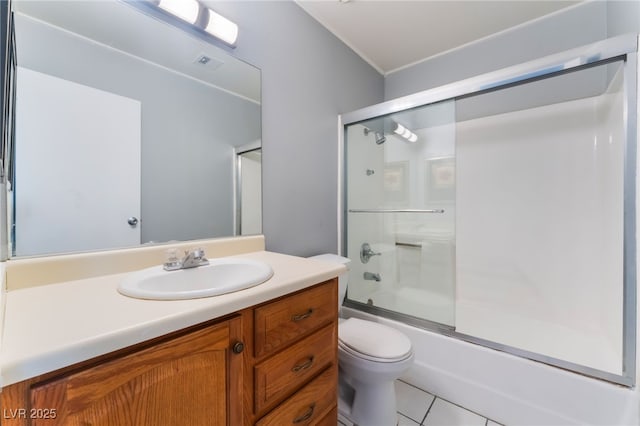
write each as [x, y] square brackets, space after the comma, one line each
[190, 380]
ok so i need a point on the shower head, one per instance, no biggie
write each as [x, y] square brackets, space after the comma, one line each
[380, 138]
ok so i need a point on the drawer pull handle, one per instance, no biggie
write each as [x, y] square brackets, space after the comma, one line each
[306, 416]
[303, 366]
[300, 317]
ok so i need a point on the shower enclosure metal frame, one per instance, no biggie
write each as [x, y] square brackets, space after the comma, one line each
[622, 48]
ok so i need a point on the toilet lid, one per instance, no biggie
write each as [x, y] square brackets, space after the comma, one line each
[373, 339]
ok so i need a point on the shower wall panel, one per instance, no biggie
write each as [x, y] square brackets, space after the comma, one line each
[539, 229]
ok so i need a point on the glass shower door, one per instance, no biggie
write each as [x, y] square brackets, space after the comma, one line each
[400, 210]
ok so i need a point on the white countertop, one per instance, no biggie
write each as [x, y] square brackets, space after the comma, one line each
[57, 325]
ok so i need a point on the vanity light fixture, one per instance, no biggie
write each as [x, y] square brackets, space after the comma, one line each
[201, 17]
[405, 133]
[187, 10]
[222, 28]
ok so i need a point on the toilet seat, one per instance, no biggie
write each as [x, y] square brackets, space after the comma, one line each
[372, 341]
[362, 356]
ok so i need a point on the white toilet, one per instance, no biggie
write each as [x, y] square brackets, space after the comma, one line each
[371, 357]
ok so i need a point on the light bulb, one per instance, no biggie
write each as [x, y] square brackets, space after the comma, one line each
[187, 10]
[221, 27]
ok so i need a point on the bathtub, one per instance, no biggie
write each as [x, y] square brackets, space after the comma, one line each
[510, 389]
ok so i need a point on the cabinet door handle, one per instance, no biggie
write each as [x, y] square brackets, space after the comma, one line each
[303, 366]
[238, 347]
[300, 317]
[307, 415]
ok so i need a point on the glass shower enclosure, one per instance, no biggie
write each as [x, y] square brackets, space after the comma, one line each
[501, 209]
[401, 211]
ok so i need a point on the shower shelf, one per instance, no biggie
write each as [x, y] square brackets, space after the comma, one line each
[396, 211]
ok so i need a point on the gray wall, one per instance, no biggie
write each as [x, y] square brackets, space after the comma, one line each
[308, 78]
[188, 130]
[576, 26]
[623, 16]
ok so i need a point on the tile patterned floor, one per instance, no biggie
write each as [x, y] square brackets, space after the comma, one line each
[417, 407]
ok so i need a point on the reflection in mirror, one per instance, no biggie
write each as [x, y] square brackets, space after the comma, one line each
[248, 193]
[126, 129]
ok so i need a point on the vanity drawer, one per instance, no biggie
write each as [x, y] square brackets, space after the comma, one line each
[279, 375]
[280, 323]
[331, 419]
[309, 405]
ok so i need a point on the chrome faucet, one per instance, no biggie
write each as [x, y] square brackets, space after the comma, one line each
[191, 259]
[371, 276]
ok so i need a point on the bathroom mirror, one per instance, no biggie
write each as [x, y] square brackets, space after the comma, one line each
[127, 129]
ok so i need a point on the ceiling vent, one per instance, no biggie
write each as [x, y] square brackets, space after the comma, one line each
[208, 61]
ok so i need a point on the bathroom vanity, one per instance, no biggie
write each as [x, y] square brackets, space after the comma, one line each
[179, 379]
[265, 355]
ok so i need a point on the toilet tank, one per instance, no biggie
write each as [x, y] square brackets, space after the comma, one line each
[342, 278]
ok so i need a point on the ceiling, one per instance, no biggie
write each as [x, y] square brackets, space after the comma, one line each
[393, 34]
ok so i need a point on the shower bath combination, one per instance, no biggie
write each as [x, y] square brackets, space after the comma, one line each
[472, 221]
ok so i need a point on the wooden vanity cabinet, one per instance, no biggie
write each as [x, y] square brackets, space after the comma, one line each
[291, 364]
[192, 377]
[271, 364]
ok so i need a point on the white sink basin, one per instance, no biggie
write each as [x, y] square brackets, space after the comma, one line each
[220, 276]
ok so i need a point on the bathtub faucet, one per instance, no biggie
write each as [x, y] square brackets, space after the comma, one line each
[371, 276]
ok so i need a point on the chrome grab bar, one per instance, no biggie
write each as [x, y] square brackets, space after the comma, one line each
[396, 210]
[416, 245]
